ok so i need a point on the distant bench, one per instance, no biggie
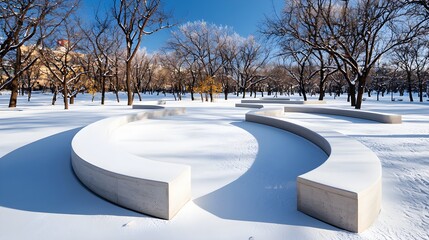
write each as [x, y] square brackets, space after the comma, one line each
[281, 101]
[144, 106]
[345, 190]
[275, 98]
[368, 115]
[249, 105]
[155, 188]
[373, 116]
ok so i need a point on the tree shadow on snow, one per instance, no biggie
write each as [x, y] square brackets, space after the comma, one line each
[39, 177]
[267, 191]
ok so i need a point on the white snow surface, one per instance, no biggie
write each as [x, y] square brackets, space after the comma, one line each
[243, 174]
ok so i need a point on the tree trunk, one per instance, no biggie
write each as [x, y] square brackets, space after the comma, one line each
[304, 95]
[410, 87]
[65, 94]
[138, 94]
[361, 90]
[359, 96]
[22, 89]
[211, 94]
[420, 86]
[302, 88]
[103, 89]
[30, 89]
[352, 94]
[321, 91]
[54, 98]
[15, 80]
[14, 94]
[128, 82]
[174, 95]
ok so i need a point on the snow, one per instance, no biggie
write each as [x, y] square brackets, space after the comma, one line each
[243, 174]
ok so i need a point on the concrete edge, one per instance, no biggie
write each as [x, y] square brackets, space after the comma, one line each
[162, 199]
[367, 115]
[350, 210]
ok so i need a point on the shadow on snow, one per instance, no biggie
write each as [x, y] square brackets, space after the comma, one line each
[267, 191]
[39, 177]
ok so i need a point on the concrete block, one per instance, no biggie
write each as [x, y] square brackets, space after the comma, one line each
[155, 188]
[345, 190]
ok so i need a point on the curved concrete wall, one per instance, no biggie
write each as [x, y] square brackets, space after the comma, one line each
[373, 116]
[345, 190]
[155, 188]
[281, 101]
[249, 105]
[142, 106]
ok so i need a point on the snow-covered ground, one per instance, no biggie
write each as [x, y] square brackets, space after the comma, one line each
[243, 174]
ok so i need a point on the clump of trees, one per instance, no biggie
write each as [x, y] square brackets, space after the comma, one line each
[208, 51]
[354, 34]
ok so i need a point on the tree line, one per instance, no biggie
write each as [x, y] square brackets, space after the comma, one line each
[310, 47]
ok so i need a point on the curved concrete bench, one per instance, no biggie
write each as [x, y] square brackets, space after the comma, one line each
[249, 105]
[155, 188]
[373, 116]
[345, 190]
[143, 106]
[273, 100]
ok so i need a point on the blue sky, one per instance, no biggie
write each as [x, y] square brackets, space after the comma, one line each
[243, 15]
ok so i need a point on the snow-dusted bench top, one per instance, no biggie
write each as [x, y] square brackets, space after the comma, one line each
[281, 101]
[275, 98]
[345, 190]
[249, 105]
[145, 106]
[373, 116]
[155, 188]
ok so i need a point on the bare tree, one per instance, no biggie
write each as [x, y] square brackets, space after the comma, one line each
[103, 45]
[299, 65]
[19, 22]
[137, 18]
[229, 54]
[64, 61]
[176, 64]
[201, 42]
[412, 59]
[31, 77]
[248, 63]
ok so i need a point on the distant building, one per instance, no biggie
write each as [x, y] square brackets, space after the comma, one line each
[62, 42]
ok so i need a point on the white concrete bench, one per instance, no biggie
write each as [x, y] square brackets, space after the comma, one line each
[145, 106]
[155, 188]
[273, 100]
[373, 116]
[345, 190]
[249, 105]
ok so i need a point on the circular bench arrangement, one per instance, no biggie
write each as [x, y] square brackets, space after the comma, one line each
[345, 190]
[367, 115]
[158, 189]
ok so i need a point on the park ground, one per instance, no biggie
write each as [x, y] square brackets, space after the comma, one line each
[243, 174]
